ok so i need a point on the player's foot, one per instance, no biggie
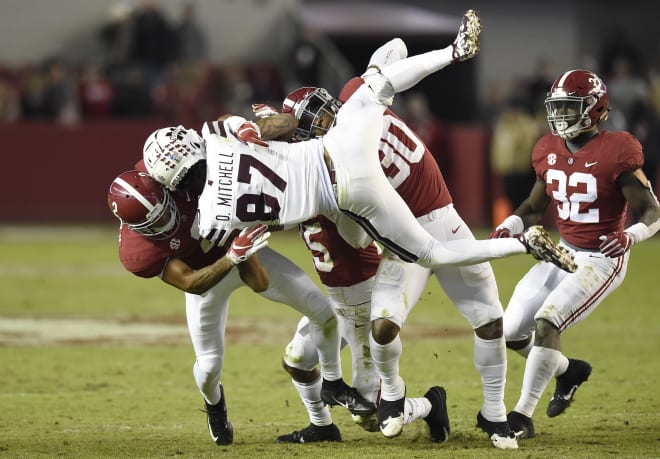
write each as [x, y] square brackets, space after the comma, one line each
[368, 422]
[578, 371]
[499, 433]
[466, 44]
[540, 245]
[220, 428]
[312, 434]
[521, 425]
[335, 393]
[438, 419]
[390, 416]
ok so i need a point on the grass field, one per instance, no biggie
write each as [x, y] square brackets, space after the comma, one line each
[97, 363]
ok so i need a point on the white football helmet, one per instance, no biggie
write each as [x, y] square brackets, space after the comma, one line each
[169, 153]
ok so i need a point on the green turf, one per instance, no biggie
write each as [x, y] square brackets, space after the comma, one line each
[103, 400]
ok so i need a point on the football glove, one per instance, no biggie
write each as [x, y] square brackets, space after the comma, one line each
[249, 132]
[615, 244]
[247, 243]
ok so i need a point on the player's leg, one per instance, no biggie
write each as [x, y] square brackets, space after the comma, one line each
[365, 194]
[299, 360]
[397, 289]
[207, 319]
[575, 297]
[473, 290]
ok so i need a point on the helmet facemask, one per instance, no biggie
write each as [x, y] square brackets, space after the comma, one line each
[311, 112]
[161, 222]
[568, 116]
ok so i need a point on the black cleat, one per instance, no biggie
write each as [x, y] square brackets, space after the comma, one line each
[578, 371]
[390, 416]
[521, 425]
[335, 393]
[438, 419]
[499, 433]
[220, 428]
[312, 434]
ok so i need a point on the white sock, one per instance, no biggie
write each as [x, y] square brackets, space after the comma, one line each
[386, 360]
[562, 366]
[416, 408]
[490, 361]
[327, 340]
[406, 73]
[541, 366]
[310, 394]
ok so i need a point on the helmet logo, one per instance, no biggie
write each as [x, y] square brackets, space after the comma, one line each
[175, 243]
[598, 87]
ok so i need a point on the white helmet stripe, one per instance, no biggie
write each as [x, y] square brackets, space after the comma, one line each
[135, 193]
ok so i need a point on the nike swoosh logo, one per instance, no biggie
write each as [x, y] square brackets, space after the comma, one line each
[359, 326]
[455, 229]
[590, 164]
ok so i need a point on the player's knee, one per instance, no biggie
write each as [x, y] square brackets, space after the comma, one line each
[491, 330]
[302, 376]
[209, 367]
[384, 331]
[546, 334]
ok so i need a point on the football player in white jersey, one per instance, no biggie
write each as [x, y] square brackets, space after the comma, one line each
[277, 183]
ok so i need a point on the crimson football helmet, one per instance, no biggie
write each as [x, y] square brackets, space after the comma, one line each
[307, 105]
[169, 153]
[138, 201]
[577, 102]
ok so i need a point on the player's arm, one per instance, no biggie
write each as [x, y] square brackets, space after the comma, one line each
[180, 275]
[637, 191]
[280, 126]
[528, 213]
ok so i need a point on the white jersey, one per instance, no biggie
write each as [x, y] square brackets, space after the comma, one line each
[283, 185]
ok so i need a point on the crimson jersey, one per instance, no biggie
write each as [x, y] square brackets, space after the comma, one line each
[407, 162]
[337, 263]
[147, 257]
[583, 185]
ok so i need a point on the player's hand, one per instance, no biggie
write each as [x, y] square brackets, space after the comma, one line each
[263, 110]
[249, 132]
[499, 233]
[247, 243]
[615, 244]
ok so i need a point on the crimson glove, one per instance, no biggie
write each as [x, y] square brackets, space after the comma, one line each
[248, 242]
[615, 244]
[249, 132]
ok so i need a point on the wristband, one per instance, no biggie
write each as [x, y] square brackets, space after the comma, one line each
[641, 232]
[513, 223]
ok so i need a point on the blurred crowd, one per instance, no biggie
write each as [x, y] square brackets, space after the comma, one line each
[150, 67]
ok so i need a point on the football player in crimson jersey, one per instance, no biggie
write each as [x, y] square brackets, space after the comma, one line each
[156, 239]
[591, 176]
[407, 163]
[348, 275]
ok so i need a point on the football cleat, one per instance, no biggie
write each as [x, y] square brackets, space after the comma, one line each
[521, 425]
[390, 417]
[540, 245]
[335, 393]
[438, 419]
[578, 371]
[499, 433]
[368, 422]
[466, 44]
[220, 428]
[312, 434]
